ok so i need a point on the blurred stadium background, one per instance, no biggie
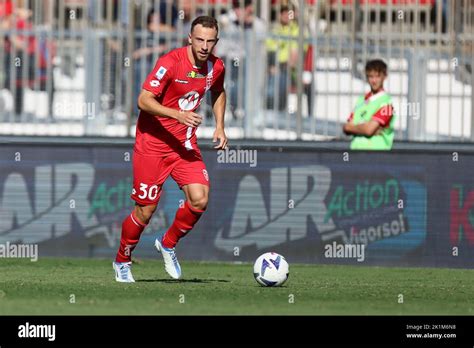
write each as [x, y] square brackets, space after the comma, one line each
[70, 75]
[76, 57]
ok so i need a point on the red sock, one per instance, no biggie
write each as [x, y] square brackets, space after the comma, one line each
[132, 228]
[186, 218]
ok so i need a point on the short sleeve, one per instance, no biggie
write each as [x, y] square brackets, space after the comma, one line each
[350, 117]
[384, 115]
[160, 76]
[218, 85]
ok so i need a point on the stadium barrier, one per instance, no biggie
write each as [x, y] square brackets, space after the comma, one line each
[81, 64]
[312, 202]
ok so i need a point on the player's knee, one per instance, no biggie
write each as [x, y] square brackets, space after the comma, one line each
[145, 212]
[199, 202]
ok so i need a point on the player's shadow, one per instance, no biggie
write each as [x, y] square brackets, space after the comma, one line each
[194, 280]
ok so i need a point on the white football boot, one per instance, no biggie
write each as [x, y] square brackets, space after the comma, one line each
[123, 272]
[172, 266]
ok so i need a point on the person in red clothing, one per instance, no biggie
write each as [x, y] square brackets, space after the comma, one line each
[166, 142]
[19, 50]
[23, 47]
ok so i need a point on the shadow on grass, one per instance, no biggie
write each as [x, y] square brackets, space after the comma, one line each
[195, 280]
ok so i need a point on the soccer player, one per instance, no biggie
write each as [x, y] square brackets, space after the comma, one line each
[371, 122]
[166, 142]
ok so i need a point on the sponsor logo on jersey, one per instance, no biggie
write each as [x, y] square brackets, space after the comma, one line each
[189, 101]
[160, 73]
[195, 75]
[181, 81]
[154, 83]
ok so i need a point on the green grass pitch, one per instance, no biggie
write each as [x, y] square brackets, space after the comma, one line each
[57, 286]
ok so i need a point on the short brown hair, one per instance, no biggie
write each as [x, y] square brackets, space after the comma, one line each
[206, 22]
[241, 3]
[377, 65]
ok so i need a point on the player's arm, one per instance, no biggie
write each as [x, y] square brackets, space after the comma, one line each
[379, 120]
[218, 106]
[147, 102]
[367, 129]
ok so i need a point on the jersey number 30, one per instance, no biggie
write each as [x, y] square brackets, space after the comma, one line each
[150, 192]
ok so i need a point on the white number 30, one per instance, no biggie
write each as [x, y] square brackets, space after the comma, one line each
[151, 192]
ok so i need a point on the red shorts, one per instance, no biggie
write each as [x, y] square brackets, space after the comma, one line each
[150, 173]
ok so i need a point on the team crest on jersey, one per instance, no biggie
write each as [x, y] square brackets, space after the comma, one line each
[195, 75]
[189, 101]
[161, 72]
[206, 175]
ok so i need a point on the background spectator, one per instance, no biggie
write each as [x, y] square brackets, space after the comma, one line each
[282, 57]
[26, 56]
[239, 20]
[148, 48]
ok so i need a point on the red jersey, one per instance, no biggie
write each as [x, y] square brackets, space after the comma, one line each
[179, 85]
[22, 25]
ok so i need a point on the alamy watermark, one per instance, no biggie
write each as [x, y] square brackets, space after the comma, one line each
[23, 251]
[404, 109]
[75, 108]
[237, 156]
[345, 251]
[28, 330]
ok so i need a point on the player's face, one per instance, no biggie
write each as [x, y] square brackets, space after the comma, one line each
[375, 80]
[202, 40]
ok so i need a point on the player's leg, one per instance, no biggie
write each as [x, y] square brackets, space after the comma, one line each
[191, 175]
[149, 175]
[197, 196]
[185, 219]
[132, 227]
[192, 178]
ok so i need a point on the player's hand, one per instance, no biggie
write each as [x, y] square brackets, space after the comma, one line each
[189, 118]
[346, 129]
[220, 134]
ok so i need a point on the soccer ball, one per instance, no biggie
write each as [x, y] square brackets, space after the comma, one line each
[271, 269]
